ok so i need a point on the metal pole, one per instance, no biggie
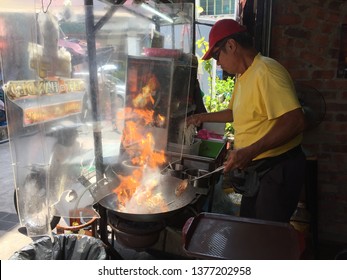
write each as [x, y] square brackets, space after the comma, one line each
[94, 88]
[94, 96]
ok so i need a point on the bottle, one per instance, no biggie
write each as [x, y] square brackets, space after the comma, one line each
[301, 218]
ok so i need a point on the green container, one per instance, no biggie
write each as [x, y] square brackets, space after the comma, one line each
[211, 148]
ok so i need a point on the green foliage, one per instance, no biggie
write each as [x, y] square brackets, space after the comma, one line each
[220, 94]
[219, 99]
[203, 45]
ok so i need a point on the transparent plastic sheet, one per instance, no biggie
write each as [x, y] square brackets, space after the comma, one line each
[54, 113]
[32, 199]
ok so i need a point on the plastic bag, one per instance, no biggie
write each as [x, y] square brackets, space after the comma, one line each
[63, 247]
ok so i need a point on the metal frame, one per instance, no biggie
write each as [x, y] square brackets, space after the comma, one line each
[93, 81]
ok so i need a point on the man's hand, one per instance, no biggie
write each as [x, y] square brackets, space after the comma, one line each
[238, 159]
[194, 120]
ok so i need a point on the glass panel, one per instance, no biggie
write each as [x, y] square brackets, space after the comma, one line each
[210, 7]
[203, 4]
[87, 109]
[218, 7]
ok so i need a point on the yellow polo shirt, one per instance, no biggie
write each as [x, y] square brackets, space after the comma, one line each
[261, 95]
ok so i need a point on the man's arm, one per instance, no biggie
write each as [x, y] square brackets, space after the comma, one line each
[286, 128]
[220, 117]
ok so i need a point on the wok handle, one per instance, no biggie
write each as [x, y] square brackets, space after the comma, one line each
[185, 229]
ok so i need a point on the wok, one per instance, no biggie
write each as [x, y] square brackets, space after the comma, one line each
[166, 186]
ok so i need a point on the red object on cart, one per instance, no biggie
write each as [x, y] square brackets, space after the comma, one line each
[161, 52]
[219, 236]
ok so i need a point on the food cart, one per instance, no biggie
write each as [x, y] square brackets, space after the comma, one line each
[77, 151]
[97, 125]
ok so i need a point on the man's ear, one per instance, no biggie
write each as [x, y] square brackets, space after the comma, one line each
[231, 44]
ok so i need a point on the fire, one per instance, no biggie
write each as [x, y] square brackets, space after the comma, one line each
[138, 192]
[145, 199]
[160, 120]
[128, 186]
[145, 96]
[146, 115]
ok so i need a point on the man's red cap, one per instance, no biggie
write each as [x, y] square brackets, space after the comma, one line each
[220, 30]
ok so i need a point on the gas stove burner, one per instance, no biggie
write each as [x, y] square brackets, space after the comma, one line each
[135, 235]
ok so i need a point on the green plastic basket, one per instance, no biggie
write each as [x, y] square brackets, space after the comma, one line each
[210, 148]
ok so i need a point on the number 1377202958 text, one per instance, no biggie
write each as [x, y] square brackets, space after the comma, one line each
[216, 270]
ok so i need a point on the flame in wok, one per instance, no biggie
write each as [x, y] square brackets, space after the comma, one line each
[138, 192]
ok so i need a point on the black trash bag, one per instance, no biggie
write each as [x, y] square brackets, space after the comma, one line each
[342, 255]
[63, 247]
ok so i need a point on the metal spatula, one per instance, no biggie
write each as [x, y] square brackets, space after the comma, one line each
[206, 174]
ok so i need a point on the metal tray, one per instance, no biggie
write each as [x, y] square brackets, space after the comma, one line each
[197, 161]
[219, 236]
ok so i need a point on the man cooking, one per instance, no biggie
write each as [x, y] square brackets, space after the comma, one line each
[268, 123]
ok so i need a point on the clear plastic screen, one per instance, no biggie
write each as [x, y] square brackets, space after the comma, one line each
[73, 117]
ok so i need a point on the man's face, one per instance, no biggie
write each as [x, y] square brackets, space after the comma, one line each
[220, 45]
[224, 55]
